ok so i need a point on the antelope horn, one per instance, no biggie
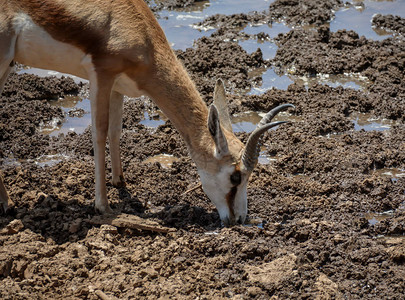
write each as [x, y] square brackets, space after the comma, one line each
[252, 149]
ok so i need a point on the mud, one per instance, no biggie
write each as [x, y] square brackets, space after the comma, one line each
[313, 231]
[390, 22]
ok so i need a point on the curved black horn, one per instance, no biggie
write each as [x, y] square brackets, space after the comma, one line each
[252, 149]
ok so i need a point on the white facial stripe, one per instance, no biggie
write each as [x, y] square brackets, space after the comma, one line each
[218, 186]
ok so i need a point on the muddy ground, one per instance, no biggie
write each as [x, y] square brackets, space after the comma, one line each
[332, 217]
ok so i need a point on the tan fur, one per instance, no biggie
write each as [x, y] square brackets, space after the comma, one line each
[120, 37]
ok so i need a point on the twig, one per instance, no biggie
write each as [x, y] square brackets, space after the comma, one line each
[102, 295]
[192, 189]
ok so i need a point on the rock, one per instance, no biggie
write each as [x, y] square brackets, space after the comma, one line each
[327, 289]
[273, 272]
[75, 225]
[14, 227]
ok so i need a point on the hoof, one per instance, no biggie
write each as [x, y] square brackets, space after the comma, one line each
[120, 183]
[104, 210]
[3, 209]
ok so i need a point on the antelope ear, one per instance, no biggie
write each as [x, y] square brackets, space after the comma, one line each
[214, 126]
[222, 105]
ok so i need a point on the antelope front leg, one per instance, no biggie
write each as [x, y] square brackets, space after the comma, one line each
[100, 93]
[114, 134]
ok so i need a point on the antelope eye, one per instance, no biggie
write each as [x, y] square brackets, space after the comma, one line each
[236, 178]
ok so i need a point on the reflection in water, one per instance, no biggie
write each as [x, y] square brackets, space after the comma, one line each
[358, 17]
[364, 121]
[259, 223]
[178, 24]
[49, 160]
[354, 81]
[44, 73]
[152, 120]
[247, 122]
[393, 173]
[78, 118]
[269, 79]
[273, 29]
[374, 218]
[166, 160]
[268, 48]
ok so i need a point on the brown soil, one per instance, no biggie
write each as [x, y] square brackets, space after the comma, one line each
[389, 22]
[315, 200]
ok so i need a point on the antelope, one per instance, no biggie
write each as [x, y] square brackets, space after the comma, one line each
[121, 49]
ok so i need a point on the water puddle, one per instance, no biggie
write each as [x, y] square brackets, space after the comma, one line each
[365, 121]
[43, 161]
[44, 73]
[393, 173]
[152, 120]
[359, 14]
[49, 160]
[268, 48]
[78, 118]
[374, 218]
[259, 223]
[272, 30]
[265, 158]
[353, 81]
[179, 27]
[270, 79]
[165, 160]
[247, 121]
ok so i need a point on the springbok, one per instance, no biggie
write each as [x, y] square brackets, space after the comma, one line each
[121, 49]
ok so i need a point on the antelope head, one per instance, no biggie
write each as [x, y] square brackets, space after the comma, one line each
[224, 179]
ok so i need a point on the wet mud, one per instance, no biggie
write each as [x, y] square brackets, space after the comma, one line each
[327, 209]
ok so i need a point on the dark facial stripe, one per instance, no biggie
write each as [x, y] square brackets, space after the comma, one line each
[236, 178]
[230, 199]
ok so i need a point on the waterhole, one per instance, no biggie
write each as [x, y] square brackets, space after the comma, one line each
[365, 121]
[353, 81]
[358, 15]
[393, 173]
[180, 27]
[165, 160]
[374, 218]
[77, 116]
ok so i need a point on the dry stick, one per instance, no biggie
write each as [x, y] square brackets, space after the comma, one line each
[102, 295]
[192, 189]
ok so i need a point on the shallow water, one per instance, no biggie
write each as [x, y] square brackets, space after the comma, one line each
[50, 160]
[179, 26]
[365, 121]
[353, 81]
[393, 173]
[358, 17]
[44, 73]
[165, 160]
[77, 119]
[374, 218]
[247, 122]
[270, 79]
